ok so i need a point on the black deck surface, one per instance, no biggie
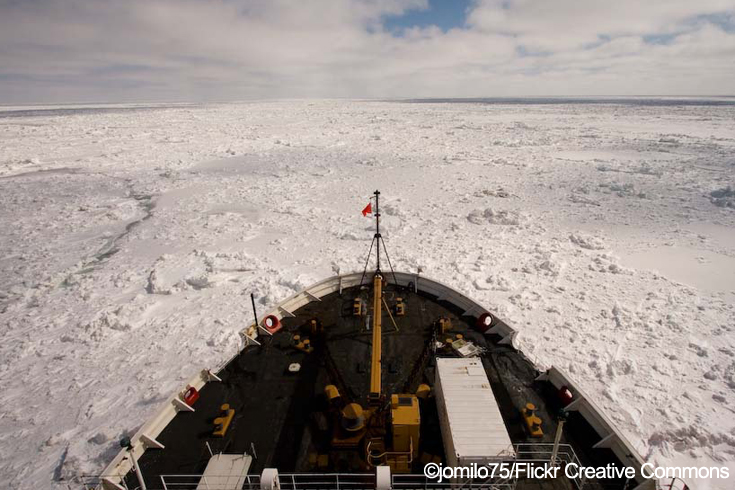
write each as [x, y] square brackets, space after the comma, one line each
[281, 418]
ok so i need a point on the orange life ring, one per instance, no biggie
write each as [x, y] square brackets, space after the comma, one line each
[272, 324]
[191, 395]
[565, 395]
[484, 322]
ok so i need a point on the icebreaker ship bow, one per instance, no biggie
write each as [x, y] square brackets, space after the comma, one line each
[368, 380]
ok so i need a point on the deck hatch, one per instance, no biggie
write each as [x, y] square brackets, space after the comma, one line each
[225, 471]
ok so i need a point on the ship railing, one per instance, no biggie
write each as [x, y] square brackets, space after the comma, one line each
[672, 484]
[315, 481]
[294, 481]
[417, 482]
[541, 452]
[326, 481]
[91, 482]
[527, 453]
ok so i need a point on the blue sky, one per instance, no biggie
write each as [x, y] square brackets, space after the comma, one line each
[444, 14]
[199, 50]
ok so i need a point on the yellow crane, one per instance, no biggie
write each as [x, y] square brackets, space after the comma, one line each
[404, 419]
[377, 351]
[367, 425]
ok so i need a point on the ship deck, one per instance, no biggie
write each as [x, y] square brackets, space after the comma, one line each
[281, 417]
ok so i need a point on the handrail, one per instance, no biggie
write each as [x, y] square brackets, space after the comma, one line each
[676, 483]
[288, 481]
[386, 453]
[414, 482]
[565, 450]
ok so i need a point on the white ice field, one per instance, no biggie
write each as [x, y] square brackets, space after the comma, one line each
[131, 240]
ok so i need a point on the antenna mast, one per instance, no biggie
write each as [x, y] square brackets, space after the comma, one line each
[377, 240]
[377, 236]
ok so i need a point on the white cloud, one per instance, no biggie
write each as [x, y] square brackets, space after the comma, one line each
[559, 24]
[193, 50]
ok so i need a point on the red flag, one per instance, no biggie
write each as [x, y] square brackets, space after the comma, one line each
[368, 209]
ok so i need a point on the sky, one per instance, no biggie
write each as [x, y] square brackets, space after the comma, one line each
[218, 50]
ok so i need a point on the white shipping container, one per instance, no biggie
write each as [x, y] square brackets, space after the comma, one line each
[472, 426]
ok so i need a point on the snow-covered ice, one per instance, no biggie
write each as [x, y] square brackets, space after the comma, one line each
[132, 238]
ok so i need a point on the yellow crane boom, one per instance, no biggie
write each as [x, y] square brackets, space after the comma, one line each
[376, 364]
